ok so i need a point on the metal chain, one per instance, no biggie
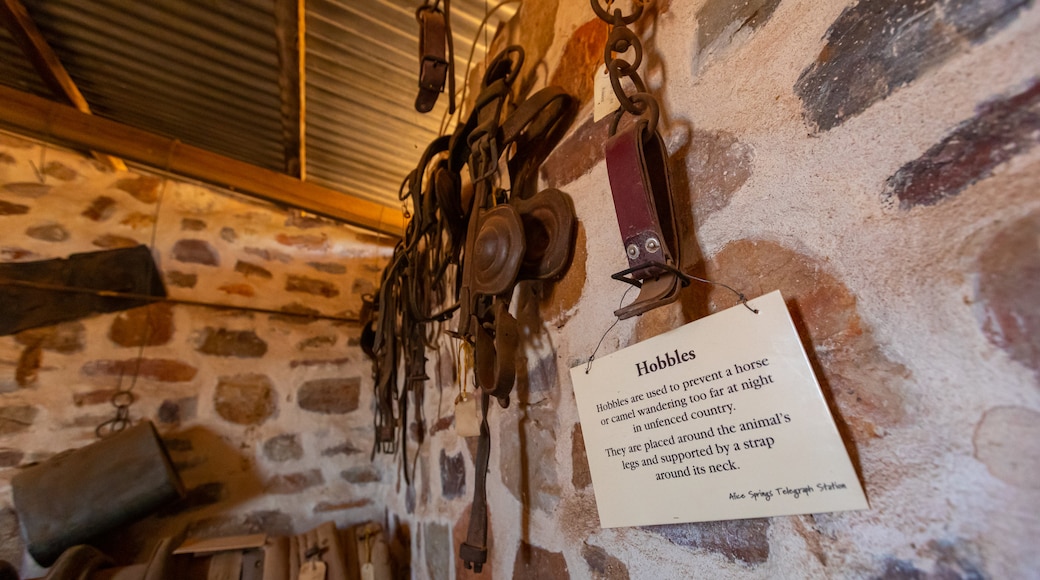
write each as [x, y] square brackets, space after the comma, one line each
[621, 39]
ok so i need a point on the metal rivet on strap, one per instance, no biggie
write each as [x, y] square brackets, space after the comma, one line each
[633, 251]
[652, 246]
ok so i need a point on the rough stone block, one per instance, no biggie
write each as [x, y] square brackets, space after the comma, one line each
[101, 209]
[113, 242]
[15, 254]
[59, 171]
[162, 370]
[64, 338]
[196, 252]
[311, 286]
[1007, 291]
[582, 57]
[192, 225]
[8, 208]
[269, 255]
[10, 458]
[873, 48]
[247, 399]
[328, 267]
[346, 448]
[17, 418]
[534, 562]
[150, 325]
[718, 21]
[304, 242]
[138, 220]
[453, 475]
[289, 483]
[1007, 441]
[238, 290]
[330, 396]
[581, 476]
[250, 269]
[323, 507]
[282, 448]
[28, 189]
[144, 188]
[1001, 129]
[230, 343]
[181, 279]
[362, 474]
[48, 233]
[603, 565]
[743, 540]
[317, 342]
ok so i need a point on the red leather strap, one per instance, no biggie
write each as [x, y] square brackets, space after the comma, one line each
[638, 171]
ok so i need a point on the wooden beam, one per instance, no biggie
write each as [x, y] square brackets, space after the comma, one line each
[290, 29]
[47, 64]
[38, 116]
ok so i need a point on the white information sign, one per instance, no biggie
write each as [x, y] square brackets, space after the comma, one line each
[719, 419]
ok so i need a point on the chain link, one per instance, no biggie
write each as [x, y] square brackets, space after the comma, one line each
[620, 41]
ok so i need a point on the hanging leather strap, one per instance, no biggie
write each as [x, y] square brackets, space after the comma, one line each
[638, 171]
[474, 550]
[436, 57]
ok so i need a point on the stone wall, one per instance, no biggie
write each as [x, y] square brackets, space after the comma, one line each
[265, 412]
[877, 162]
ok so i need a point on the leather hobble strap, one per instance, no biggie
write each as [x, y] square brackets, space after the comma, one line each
[474, 550]
[436, 57]
[638, 170]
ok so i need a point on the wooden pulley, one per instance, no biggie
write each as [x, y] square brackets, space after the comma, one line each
[494, 356]
[497, 250]
[549, 227]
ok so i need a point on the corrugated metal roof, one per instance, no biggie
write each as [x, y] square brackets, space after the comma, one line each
[207, 72]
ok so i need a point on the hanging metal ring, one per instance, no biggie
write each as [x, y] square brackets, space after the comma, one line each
[619, 41]
[616, 17]
[650, 113]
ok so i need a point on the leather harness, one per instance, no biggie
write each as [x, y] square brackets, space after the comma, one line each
[468, 250]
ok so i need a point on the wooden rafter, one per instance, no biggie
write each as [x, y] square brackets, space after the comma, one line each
[37, 116]
[47, 64]
[290, 30]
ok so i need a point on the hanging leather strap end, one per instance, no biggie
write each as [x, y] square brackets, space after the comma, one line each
[473, 557]
[638, 171]
[433, 66]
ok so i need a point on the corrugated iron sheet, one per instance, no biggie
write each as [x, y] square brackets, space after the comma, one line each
[207, 72]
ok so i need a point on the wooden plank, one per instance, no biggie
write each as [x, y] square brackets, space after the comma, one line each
[290, 28]
[222, 544]
[37, 116]
[47, 64]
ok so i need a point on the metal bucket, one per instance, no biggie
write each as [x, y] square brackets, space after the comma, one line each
[78, 494]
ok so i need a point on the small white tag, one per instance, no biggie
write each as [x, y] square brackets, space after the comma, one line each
[504, 182]
[313, 570]
[467, 416]
[605, 102]
[368, 571]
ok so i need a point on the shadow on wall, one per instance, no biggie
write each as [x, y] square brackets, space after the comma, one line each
[217, 477]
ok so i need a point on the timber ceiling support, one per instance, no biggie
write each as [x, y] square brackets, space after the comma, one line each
[290, 31]
[38, 116]
[47, 64]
